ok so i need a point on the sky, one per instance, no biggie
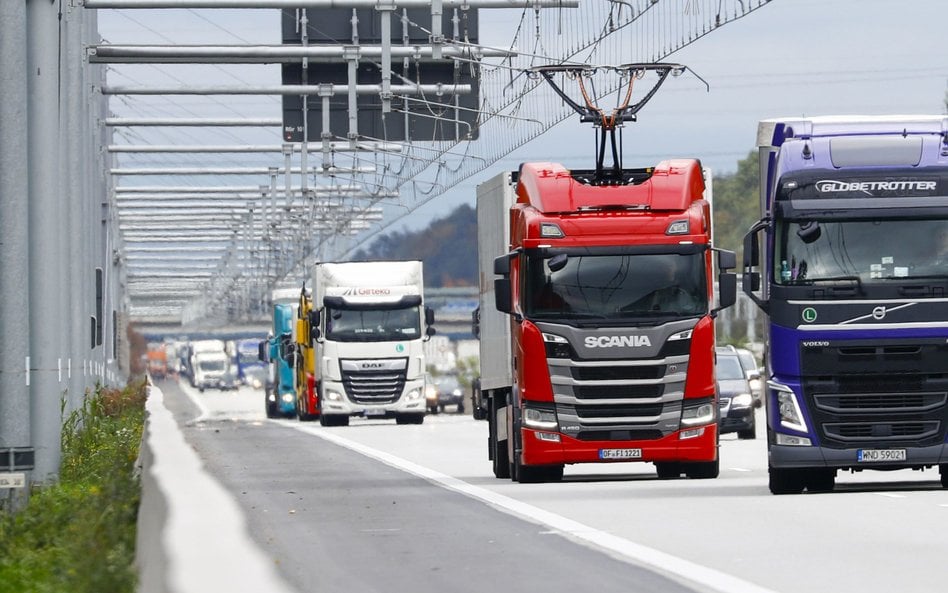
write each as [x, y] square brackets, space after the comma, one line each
[789, 58]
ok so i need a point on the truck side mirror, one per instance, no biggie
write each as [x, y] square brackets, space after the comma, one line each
[727, 289]
[429, 316]
[314, 333]
[752, 263]
[476, 322]
[727, 260]
[502, 265]
[502, 296]
[262, 353]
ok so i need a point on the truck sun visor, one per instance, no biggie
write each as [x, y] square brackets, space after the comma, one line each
[402, 302]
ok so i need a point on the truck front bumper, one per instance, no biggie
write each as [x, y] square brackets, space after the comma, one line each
[540, 448]
[336, 402]
[784, 456]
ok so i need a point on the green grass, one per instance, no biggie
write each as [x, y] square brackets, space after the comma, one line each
[78, 535]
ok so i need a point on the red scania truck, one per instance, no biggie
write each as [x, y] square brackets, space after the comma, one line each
[597, 319]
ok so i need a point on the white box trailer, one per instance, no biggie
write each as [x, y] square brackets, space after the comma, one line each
[494, 199]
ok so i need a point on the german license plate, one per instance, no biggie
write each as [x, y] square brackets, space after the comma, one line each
[620, 453]
[373, 412]
[880, 455]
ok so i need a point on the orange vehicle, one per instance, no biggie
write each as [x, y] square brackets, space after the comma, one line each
[157, 361]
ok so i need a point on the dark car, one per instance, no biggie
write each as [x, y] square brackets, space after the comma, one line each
[752, 370]
[736, 401]
[449, 393]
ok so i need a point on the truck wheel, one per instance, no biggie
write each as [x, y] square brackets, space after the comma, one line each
[410, 419]
[271, 409]
[668, 470]
[821, 480]
[479, 413]
[501, 462]
[943, 470]
[703, 470]
[786, 481]
[461, 408]
[532, 474]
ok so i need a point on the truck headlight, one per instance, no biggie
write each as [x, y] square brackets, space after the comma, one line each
[697, 412]
[541, 419]
[414, 394]
[287, 397]
[788, 407]
[333, 396]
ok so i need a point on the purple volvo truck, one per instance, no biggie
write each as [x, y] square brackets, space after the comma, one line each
[850, 262]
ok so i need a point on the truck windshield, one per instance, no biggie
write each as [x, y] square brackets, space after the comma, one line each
[860, 251]
[372, 325]
[615, 286]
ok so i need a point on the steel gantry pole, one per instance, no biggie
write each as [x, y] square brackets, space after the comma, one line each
[15, 425]
[45, 227]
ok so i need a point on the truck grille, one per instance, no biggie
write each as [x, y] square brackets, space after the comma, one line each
[891, 393]
[375, 386]
[612, 400]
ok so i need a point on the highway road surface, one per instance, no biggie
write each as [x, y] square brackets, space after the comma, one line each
[415, 508]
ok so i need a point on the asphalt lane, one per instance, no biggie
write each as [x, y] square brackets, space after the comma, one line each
[879, 532]
[335, 520]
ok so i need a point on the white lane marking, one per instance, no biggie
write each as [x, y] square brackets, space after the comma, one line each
[740, 469]
[618, 547]
[203, 412]
[890, 495]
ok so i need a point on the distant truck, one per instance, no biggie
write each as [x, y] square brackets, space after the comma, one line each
[365, 334]
[207, 351]
[308, 406]
[850, 262]
[279, 390]
[157, 361]
[251, 371]
[211, 368]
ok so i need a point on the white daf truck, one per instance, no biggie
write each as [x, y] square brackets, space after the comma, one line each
[368, 324]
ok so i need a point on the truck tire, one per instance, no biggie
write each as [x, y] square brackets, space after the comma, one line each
[943, 470]
[786, 481]
[410, 419]
[500, 459]
[821, 480]
[668, 470]
[333, 420]
[533, 474]
[703, 470]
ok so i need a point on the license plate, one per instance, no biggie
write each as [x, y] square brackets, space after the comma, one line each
[877, 455]
[620, 453]
[374, 412]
